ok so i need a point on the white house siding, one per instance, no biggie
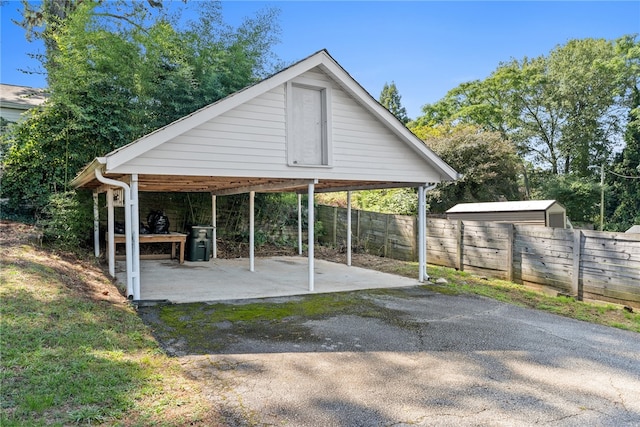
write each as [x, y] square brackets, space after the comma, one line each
[241, 142]
[11, 114]
[250, 141]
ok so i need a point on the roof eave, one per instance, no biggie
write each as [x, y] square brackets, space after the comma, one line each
[396, 126]
[87, 174]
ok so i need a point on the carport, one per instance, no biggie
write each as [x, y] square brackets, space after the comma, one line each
[309, 128]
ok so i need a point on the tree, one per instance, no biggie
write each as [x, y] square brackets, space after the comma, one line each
[488, 163]
[390, 99]
[562, 111]
[623, 181]
[44, 20]
[579, 196]
[112, 83]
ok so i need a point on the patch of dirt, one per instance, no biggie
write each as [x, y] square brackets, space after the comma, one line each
[230, 249]
[16, 233]
[364, 260]
[83, 277]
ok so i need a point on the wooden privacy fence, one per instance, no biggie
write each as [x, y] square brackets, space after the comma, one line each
[392, 236]
[590, 264]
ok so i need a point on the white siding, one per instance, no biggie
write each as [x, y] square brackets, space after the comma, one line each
[523, 217]
[250, 141]
[11, 114]
[248, 138]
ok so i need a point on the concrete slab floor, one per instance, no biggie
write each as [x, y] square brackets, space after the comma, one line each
[230, 279]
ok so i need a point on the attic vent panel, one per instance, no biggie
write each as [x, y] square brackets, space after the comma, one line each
[307, 127]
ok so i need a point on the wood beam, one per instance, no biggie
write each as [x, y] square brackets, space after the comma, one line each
[332, 187]
[265, 187]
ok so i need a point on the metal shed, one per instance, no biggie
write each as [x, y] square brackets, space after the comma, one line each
[548, 213]
[309, 128]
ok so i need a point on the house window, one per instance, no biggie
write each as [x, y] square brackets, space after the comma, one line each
[308, 131]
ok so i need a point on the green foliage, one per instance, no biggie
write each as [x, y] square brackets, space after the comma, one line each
[67, 359]
[623, 182]
[488, 163]
[580, 196]
[390, 99]
[402, 201]
[35, 160]
[116, 75]
[562, 111]
[276, 216]
[67, 220]
[4, 124]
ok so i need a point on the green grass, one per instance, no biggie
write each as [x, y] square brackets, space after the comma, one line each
[461, 282]
[204, 328]
[589, 311]
[309, 306]
[68, 358]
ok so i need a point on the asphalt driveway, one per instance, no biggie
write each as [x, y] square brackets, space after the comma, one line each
[432, 359]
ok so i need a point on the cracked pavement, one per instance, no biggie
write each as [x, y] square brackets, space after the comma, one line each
[452, 360]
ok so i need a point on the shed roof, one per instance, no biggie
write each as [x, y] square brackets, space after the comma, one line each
[123, 161]
[527, 205]
[634, 229]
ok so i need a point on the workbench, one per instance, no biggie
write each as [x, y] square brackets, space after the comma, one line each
[173, 238]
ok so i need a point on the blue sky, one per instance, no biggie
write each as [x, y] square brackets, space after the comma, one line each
[426, 47]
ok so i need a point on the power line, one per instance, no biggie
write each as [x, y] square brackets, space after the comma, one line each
[622, 176]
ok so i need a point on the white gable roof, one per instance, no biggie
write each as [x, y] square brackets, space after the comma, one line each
[124, 159]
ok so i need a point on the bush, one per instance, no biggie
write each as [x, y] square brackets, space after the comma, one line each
[67, 221]
[401, 201]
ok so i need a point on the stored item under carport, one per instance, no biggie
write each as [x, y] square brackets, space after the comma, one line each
[200, 243]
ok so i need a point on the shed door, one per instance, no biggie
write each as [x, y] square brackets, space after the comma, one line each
[556, 220]
[308, 140]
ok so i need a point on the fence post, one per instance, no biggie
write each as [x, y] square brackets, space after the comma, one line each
[358, 227]
[460, 245]
[335, 227]
[509, 256]
[386, 235]
[576, 286]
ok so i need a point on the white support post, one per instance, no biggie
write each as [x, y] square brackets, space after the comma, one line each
[421, 234]
[111, 250]
[135, 237]
[214, 223]
[128, 234]
[251, 231]
[349, 228]
[310, 230]
[96, 225]
[128, 243]
[299, 224]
